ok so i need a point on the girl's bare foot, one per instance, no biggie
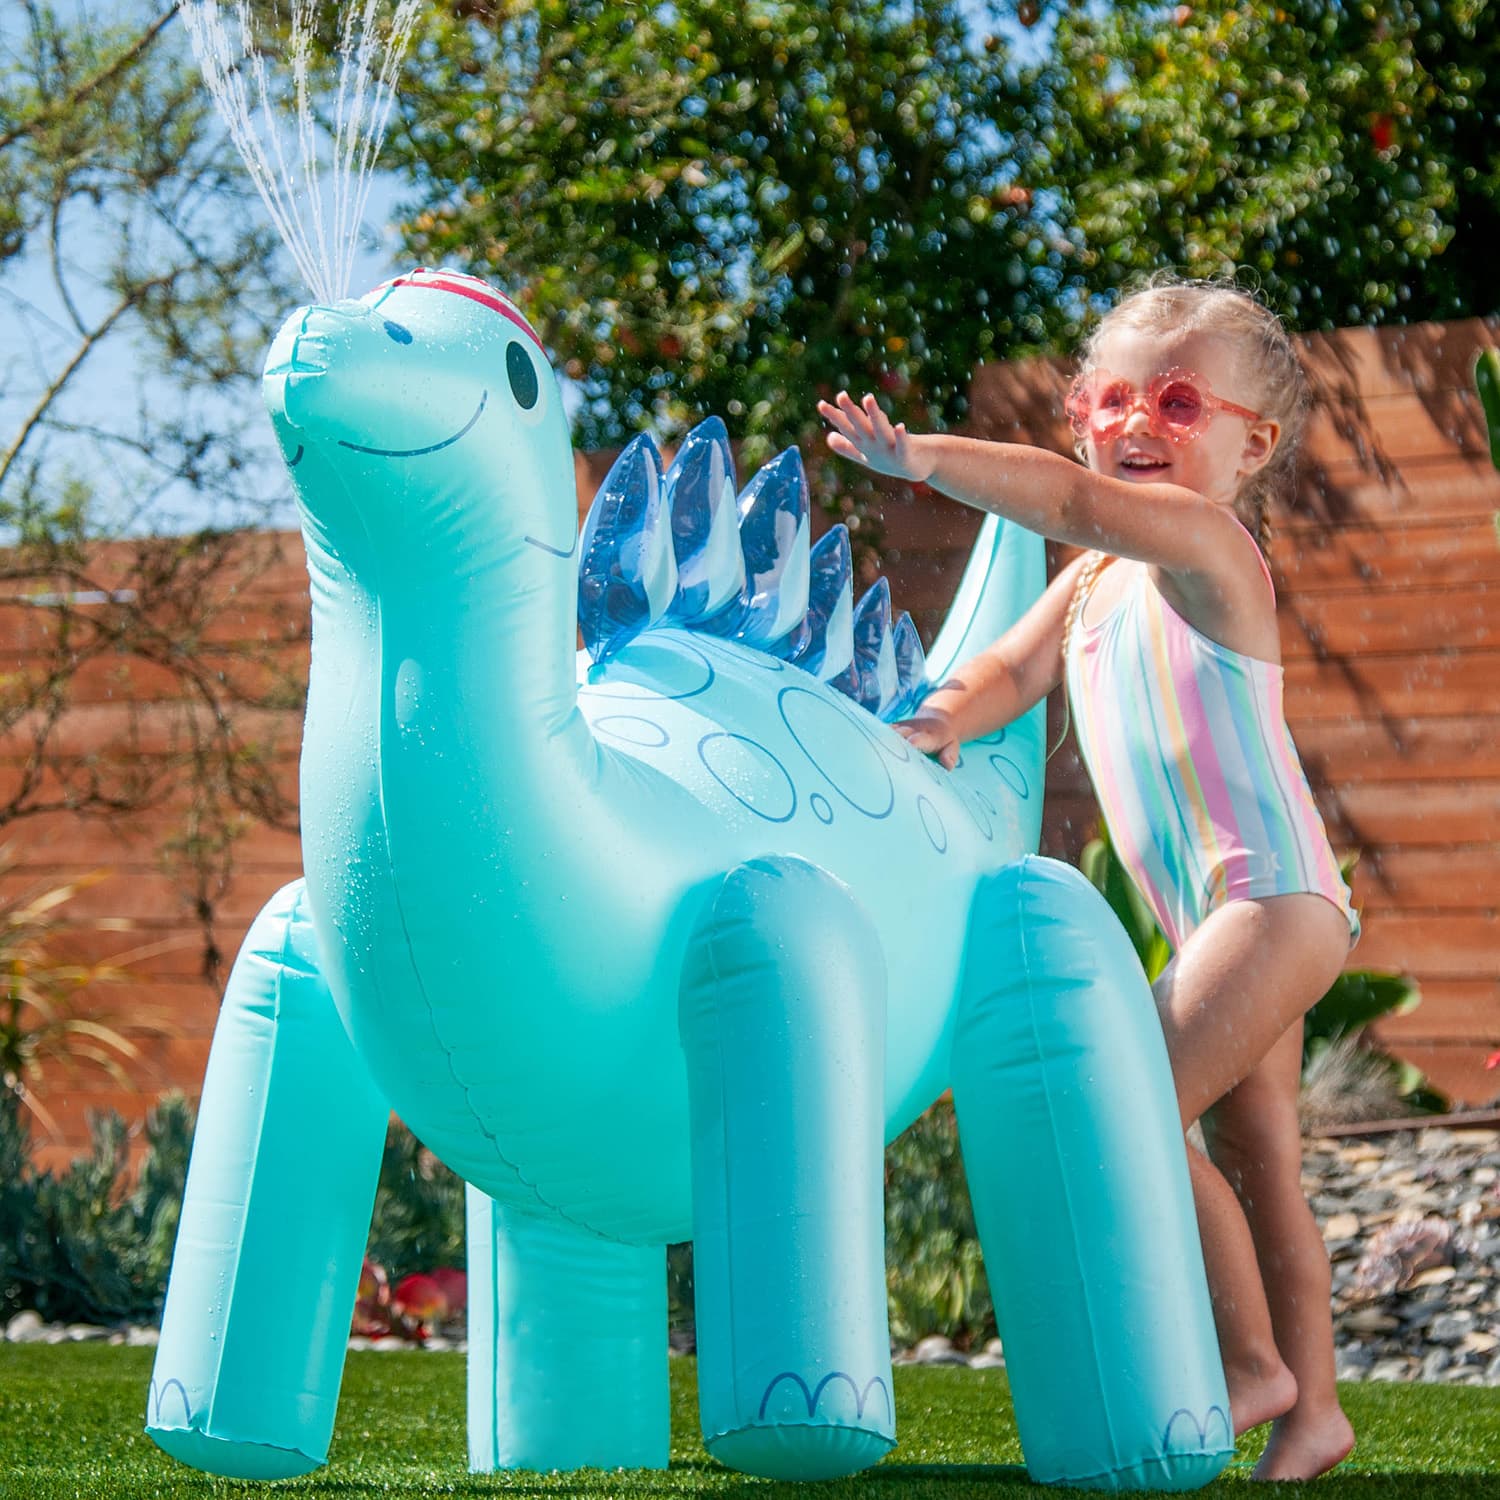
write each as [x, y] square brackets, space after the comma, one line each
[1302, 1447]
[1257, 1395]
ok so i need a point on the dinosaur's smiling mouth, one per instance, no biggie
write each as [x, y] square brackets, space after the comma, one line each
[447, 442]
[555, 551]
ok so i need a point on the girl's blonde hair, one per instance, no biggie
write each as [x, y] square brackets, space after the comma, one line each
[1274, 383]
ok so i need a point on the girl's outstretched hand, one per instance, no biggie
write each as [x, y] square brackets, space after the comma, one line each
[864, 433]
[931, 731]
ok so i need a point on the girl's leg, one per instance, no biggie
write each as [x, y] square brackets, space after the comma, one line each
[1254, 1138]
[1241, 981]
[1261, 1384]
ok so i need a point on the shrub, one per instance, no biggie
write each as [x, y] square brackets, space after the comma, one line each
[935, 1280]
[83, 1247]
[418, 1220]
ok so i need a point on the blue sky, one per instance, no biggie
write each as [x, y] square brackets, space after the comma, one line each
[36, 338]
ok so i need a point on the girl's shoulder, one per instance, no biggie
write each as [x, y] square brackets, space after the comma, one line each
[1234, 605]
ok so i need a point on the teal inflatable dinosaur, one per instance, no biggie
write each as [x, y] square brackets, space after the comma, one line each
[658, 941]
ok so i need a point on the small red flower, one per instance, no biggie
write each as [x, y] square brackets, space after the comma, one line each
[1383, 132]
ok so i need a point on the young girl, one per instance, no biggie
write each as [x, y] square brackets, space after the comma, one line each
[1188, 408]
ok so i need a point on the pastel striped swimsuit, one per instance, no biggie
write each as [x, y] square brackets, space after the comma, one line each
[1194, 767]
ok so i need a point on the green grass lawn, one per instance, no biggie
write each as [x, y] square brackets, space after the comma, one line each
[71, 1417]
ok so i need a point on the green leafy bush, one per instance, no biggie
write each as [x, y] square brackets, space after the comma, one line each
[1487, 381]
[82, 1247]
[935, 1279]
[418, 1220]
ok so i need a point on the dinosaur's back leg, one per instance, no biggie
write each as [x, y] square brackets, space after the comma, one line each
[274, 1220]
[783, 1025]
[567, 1346]
[1078, 1174]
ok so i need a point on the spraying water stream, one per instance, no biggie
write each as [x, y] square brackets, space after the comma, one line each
[315, 188]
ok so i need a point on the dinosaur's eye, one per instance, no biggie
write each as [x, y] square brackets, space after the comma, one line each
[523, 382]
[397, 332]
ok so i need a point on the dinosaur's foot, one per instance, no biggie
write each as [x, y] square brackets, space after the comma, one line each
[823, 1428]
[804, 1452]
[229, 1457]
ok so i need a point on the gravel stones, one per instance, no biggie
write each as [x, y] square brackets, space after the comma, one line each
[1412, 1225]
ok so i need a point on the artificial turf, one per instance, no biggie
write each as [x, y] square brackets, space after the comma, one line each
[71, 1418]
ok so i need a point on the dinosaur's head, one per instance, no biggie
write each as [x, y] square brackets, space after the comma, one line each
[428, 399]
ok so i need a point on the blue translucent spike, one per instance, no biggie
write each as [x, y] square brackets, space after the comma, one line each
[911, 669]
[700, 490]
[874, 651]
[627, 573]
[847, 682]
[829, 648]
[774, 526]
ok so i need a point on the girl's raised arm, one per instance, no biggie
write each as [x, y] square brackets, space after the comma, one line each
[1164, 524]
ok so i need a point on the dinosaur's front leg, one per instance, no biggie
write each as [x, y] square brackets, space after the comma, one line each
[783, 1024]
[1074, 1152]
[567, 1345]
[274, 1220]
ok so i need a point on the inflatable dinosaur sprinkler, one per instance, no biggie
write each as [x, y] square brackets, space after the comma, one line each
[663, 940]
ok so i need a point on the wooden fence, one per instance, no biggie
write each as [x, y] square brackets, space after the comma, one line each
[1388, 573]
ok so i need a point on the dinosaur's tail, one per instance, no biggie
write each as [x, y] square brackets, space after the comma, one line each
[1006, 574]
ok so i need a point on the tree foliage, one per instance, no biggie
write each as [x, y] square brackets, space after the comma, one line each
[1342, 153]
[740, 209]
[733, 209]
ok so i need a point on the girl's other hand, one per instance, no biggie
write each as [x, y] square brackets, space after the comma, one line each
[864, 433]
[932, 732]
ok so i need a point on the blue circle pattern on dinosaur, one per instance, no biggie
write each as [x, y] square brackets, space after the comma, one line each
[658, 940]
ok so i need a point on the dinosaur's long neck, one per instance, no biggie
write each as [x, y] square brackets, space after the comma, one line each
[444, 664]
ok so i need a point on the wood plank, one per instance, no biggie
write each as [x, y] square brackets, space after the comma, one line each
[1310, 557]
[1457, 1069]
[1431, 945]
[148, 729]
[153, 950]
[138, 1007]
[1398, 686]
[1380, 434]
[1388, 360]
[1457, 878]
[169, 1062]
[1431, 815]
[35, 631]
[258, 562]
[71, 841]
[140, 896]
[138, 780]
[1386, 750]
[1365, 622]
[1452, 1010]
[1447, 487]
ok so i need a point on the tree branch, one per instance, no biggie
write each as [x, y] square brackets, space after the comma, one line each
[53, 390]
[54, 108]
